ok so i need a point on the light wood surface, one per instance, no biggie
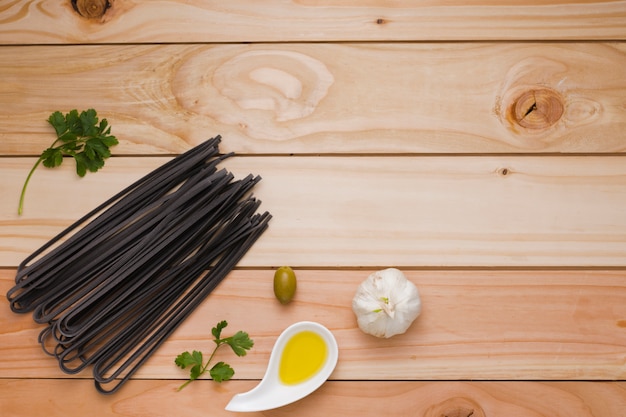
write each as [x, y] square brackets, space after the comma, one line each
[333, 211]
[325, 98]
[501, 325]
[427, 399]
[477, 146]
[125, 21]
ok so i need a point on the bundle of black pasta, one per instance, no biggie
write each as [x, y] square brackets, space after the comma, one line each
[114, 285]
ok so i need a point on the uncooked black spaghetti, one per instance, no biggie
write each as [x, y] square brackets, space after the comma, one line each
[114, 285]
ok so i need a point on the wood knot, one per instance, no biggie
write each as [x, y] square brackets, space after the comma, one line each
[537, 109]
[504, 171]
[91, 9]
[455, 407]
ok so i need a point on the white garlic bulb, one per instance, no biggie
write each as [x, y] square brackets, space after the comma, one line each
[386, 303]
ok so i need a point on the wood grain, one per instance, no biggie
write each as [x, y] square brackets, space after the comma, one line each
[356, 398]
[126, 21]
[372, 211]
[497, 325]
[477, 145]
[324, 98]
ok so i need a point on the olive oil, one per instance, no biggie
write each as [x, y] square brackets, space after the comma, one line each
[303, 356]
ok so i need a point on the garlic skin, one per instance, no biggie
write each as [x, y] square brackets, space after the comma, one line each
[386, 303]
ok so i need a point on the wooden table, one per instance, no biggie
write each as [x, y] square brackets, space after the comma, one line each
[479, 148]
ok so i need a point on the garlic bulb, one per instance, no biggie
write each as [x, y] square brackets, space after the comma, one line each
[386, 303]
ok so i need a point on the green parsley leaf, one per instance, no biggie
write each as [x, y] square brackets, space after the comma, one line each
[81, 164]
[221, 372]
[193, 360]
[95, 147]
[88, 123]
[217, 330]
[70, 139]
[187, 359]
[57, 121]
[72, 120]
[81, 136]
[52, 157]
[240, 342]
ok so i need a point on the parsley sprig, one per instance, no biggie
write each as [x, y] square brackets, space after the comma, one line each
[81, 136]
[240, 342]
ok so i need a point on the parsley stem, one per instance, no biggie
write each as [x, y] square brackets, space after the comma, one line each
[211, 357]
[20, 208]
[185, 384]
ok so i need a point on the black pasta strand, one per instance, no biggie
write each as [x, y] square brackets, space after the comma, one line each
[115, 284]
[44, 273]
[233, 234]
[159, 236]
[215, 276]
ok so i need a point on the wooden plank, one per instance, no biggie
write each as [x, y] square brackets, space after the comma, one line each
[475, 325]
[446, 159]
[332, 211]
[325, 98]
[428, 399]
[36, 22]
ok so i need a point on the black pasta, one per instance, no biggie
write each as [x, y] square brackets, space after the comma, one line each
[115, 284]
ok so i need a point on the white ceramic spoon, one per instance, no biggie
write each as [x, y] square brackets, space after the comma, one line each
[272, 392]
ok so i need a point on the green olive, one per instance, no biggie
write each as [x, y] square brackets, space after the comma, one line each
[284, 284]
